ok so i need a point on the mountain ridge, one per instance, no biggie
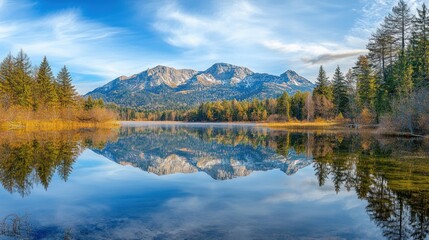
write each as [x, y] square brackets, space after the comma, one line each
[164, 87]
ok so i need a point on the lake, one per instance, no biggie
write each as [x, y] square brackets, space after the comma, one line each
[212, 181]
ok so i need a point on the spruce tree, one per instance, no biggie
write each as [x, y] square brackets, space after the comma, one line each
[419, 46]
[323, 87]
[381, 51]
[399, 23]
[283, 105]
[339, 87]
[6, 80]
[21, 82]
[322, 96]
[45, 89]
[366, 85]
[65, 90]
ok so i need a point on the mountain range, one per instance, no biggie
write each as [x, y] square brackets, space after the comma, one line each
[164, 87]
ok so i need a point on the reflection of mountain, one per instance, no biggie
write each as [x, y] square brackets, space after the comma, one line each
[222, 154]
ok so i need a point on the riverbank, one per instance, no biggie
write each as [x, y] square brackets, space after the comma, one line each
[55, 125]
[305, 125]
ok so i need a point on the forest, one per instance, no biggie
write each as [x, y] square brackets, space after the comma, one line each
[32, 93]
[388, 86]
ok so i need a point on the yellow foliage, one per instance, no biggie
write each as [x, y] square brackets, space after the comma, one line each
[56, 119]
[366, 117]
[318, 123]
[339, 117]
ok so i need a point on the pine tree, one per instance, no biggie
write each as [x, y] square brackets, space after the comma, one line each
[419, 46]
[6, 80]
[381, 50]
[65, 90]
[399, 23]
[322, 96]
[21, 82]
[366, 86]
[323, 87]
[45, 90]
[339, 88]
[283, 106]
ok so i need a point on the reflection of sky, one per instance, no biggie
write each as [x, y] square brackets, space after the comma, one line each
[103, 199]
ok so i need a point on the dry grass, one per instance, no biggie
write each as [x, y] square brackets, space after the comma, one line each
[317, 124]
[44, 125]
[56, 119]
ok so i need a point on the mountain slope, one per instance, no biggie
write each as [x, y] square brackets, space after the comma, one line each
[163, 87]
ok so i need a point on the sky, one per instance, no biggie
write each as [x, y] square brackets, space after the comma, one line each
[102, 40]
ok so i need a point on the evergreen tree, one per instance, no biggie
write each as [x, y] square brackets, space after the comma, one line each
[322, 96]
[45, 89]
[399, 23]
[381, 51]
[297, 104]
[323, 87]
[283, 106]
[419, 46]
[366, 86]
[21, 82]
[65, 90]
[339, 88]
[6, 80]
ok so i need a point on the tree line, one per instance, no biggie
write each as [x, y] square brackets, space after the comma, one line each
[34, 88]
[392, 79]
[34, 91]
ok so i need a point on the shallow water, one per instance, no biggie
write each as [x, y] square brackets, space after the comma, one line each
[204, 181]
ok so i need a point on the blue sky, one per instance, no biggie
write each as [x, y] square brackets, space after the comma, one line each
[101, 40]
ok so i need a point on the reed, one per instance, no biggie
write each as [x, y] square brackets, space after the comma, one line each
[319, 124]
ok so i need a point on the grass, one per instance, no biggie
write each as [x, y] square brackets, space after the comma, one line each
[318, 124]
[18, 118]
[54, 125]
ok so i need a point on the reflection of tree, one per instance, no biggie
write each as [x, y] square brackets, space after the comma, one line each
[282, 142]
[28, 160]
[396, 189]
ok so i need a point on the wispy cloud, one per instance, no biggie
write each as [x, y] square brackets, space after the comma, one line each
[328, 57]
[89, 48]
[227, 25]
[246, 27]
[371, 15]
[267, 36]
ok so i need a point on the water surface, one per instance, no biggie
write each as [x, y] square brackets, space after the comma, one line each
[212, 181]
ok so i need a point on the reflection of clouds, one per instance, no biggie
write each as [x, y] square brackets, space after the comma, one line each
[306, 189]
[105, 200]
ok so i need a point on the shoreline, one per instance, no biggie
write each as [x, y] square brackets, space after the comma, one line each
[334, 126]
[54, 125]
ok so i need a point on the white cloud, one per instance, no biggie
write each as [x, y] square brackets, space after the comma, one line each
[252, 34]
[63, 35]
[227, 25]
[372, 15]
[267, 37]
[87, 47]
[295, 47]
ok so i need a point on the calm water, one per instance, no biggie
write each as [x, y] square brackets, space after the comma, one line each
[201, 181]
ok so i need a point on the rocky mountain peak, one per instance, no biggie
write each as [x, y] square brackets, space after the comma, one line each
[294, 78]
[225, 71]
[166, 75]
